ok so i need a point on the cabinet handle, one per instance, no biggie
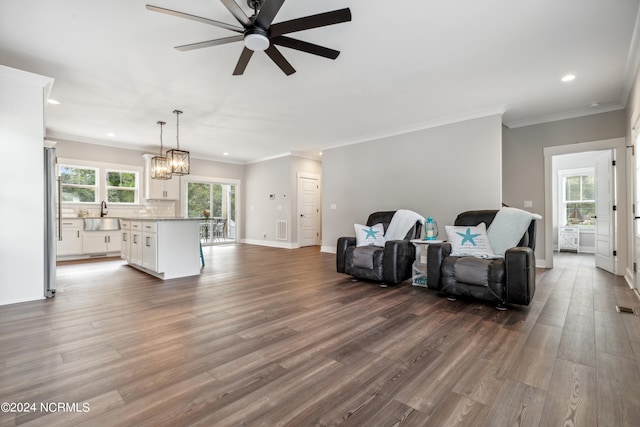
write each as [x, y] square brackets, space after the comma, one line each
[135, 241]
[124, 237]
[147, 242]
[78, 233]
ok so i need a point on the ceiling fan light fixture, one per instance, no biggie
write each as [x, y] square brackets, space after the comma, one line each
[256, 39]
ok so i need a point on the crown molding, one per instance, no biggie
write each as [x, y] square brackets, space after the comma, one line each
[492, 111]
[589, 111]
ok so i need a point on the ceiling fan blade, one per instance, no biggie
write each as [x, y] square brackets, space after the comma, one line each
[209, 43]
[195, 18]
[267, 13]
[237, 12]
[280, 60]
[245, 56]
[311, 21]
[303, 46]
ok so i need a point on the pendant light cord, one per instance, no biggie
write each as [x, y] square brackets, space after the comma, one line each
[178, 112]
[161, 124]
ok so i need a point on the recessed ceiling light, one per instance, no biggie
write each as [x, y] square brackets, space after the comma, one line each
[594, 104]
[225, 154]
[320, 153]
[111, 134]
[53, 101]
[568, 78]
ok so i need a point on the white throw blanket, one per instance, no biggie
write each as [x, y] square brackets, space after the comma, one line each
[508, 227]
[401, 223]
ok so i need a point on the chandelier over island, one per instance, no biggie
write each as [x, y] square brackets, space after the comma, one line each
[175, 161]
[178, 159]
[160, 168]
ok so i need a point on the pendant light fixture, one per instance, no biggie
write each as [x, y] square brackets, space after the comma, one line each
[178, 159]
[160, 168]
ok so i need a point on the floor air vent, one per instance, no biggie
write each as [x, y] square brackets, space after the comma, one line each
[627, 310]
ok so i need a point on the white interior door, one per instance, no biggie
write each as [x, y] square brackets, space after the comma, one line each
[308, 211]
[605, 220]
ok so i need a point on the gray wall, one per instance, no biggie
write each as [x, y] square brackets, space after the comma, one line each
[279, 177]
[523, 160]
[436, 172]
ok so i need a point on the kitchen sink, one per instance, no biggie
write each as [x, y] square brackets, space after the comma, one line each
[101, 224]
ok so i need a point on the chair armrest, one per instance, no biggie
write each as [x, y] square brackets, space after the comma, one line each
[343, 244]
[397, 261]
[436, 253]
[520, 275]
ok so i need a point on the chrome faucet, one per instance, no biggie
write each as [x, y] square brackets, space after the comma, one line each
[103, 206]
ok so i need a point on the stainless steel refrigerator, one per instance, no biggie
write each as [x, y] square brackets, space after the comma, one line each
[51, 189]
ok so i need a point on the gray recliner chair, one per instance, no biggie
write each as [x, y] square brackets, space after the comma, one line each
[508, 280]
[389, 265]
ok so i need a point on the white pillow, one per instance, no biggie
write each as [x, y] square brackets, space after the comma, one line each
[508, 227]
[469, 240]
[366, 235]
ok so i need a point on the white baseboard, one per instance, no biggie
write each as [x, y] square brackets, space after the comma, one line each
[272, 244]
[542, 263]
[328, 249]
[628, 277]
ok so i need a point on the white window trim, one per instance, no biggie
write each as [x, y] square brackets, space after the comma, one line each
[136, 189]
[101, 190]
[95, 187]
[562, 174]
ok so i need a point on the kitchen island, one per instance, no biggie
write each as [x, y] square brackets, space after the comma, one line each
[166, 248]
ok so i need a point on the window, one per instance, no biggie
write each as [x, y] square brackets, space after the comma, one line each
[91, 182]
[79, 184]
[216, 203]
[122, 186]
[579, 200]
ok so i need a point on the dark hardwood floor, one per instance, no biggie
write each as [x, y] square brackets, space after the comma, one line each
[275, 337]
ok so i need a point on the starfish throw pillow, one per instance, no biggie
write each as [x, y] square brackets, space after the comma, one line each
[469, 240]
[366, 235]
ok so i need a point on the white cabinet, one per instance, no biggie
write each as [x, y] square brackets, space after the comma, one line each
[94, 242]
[159, 189]
[568, 239]
[166, 248]
[71, 243]
[135, 250]
[150, 245]
[125, 239]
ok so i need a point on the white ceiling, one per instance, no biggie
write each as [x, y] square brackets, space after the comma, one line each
[403, 66]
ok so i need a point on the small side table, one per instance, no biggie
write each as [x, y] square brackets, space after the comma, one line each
[419, 268]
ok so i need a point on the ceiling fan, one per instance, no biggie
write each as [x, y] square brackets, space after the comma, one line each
[260, 34]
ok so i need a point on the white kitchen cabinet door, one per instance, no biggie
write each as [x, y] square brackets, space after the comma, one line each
[150, 251]
[159, 189]
[136, 243]
[94, 242]
[71, 243]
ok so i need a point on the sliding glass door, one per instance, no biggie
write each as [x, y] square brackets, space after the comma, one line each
[215, 205]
